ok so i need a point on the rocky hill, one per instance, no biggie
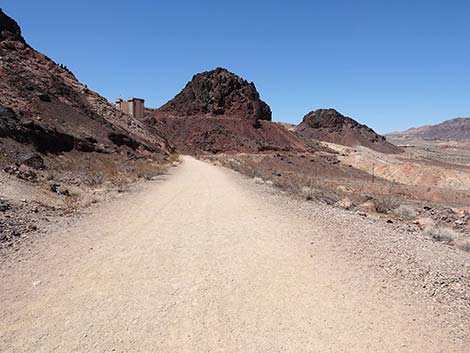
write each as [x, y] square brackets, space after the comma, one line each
[454, 129]
[62, 146]
[47, 98]
[331, 126]
[219, 111]
[218, 93]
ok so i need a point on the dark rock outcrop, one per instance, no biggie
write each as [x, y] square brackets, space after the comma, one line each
[220, 112]
[218, 93]
[34, 161]
[9, 29]
[44, 139]
[121, 139]
[331, 126]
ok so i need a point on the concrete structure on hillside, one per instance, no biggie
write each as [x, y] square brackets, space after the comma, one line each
[133, 107]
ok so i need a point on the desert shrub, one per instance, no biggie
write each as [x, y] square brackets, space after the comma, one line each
[71, 204]
[292, 186]
[465, 245]
[442, 234]
[94, 179]
[405, 212]
[243, 168]
[258, 180]
[307, 192]
[252, 172]
[385, 203]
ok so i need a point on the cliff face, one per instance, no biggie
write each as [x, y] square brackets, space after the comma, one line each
[331, 126]
[9, 29]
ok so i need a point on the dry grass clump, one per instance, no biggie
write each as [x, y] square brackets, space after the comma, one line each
[243, 167]
[308, 192]
[405, 212]
[148, 170]
[71, 204]
[386, 203]
[95, 169]
[94, 179]
[258, 180]
[464, 245]
[83, 175]
[449, 236]
[442, 234]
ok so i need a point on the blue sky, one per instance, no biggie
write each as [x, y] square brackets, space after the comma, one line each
[389, 64]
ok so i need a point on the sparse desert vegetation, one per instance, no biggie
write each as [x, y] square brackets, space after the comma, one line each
[406, 212]
[464, 245]
[318, 177]
[67, 184]
[386, 203]
[449, 236]
[442, 234]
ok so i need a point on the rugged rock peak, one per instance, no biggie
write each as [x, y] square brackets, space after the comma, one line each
[218, 93]
[332, 119]
[331, 126]
[219, 112]
[9, 29]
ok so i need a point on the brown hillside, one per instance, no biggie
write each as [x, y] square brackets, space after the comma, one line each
[218, 93]
[454, 129]
[331, 126]
[218, 111]
[41, 98]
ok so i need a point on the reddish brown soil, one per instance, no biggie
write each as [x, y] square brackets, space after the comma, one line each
[220, 112]
[216, 135]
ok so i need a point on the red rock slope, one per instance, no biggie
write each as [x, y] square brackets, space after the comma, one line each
[218, 111]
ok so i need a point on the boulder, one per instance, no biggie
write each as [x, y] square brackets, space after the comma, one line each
[34, 161]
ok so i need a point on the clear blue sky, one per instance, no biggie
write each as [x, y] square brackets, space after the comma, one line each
[391, 64]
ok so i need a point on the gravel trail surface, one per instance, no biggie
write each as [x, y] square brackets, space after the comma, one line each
[201, 263]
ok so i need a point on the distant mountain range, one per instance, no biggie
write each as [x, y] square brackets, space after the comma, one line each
[454, 129]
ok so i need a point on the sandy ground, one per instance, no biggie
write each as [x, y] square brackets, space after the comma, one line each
[410, 168]
[200, 263]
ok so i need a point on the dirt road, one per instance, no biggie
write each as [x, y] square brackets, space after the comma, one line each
[200, 263]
